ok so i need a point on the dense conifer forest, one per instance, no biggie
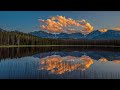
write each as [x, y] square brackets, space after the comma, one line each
[20, 38]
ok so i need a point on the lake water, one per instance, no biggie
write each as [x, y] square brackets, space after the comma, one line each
[60, 63]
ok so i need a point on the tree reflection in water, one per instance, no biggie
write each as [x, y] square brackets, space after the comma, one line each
[61, 62]
[59, 65]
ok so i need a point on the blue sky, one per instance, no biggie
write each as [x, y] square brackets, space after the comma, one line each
[27, 21]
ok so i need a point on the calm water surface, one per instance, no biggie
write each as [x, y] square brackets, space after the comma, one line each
[60, 63]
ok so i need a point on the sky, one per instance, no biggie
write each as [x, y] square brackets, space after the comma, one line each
[27, 21]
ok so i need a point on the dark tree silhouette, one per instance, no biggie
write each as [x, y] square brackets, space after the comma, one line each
[20, 38]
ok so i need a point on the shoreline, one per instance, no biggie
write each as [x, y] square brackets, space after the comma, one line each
[8, 46]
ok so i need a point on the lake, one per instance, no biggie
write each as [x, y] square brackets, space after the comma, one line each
[60, 62]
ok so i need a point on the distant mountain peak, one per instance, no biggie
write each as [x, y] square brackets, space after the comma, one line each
[96, 34]
[2, 29]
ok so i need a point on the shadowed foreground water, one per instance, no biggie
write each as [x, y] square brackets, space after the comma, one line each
[60, 63]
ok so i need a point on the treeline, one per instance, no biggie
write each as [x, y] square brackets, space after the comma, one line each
[20, 38]
[92, 42]
[17, 38]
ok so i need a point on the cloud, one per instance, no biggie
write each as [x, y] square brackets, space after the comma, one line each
[61, 24]
[103, 30]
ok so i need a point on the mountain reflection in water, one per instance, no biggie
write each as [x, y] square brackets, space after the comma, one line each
[59, 63]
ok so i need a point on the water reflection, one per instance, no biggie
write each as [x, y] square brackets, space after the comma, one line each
[116, 61]
[20, 52]
[103, 59]
[59, 65]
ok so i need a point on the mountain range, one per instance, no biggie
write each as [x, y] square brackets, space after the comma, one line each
[110, 34]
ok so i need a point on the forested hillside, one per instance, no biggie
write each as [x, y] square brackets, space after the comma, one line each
[20, 38]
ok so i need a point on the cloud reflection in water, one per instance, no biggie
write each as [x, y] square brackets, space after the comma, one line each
[59, 65]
